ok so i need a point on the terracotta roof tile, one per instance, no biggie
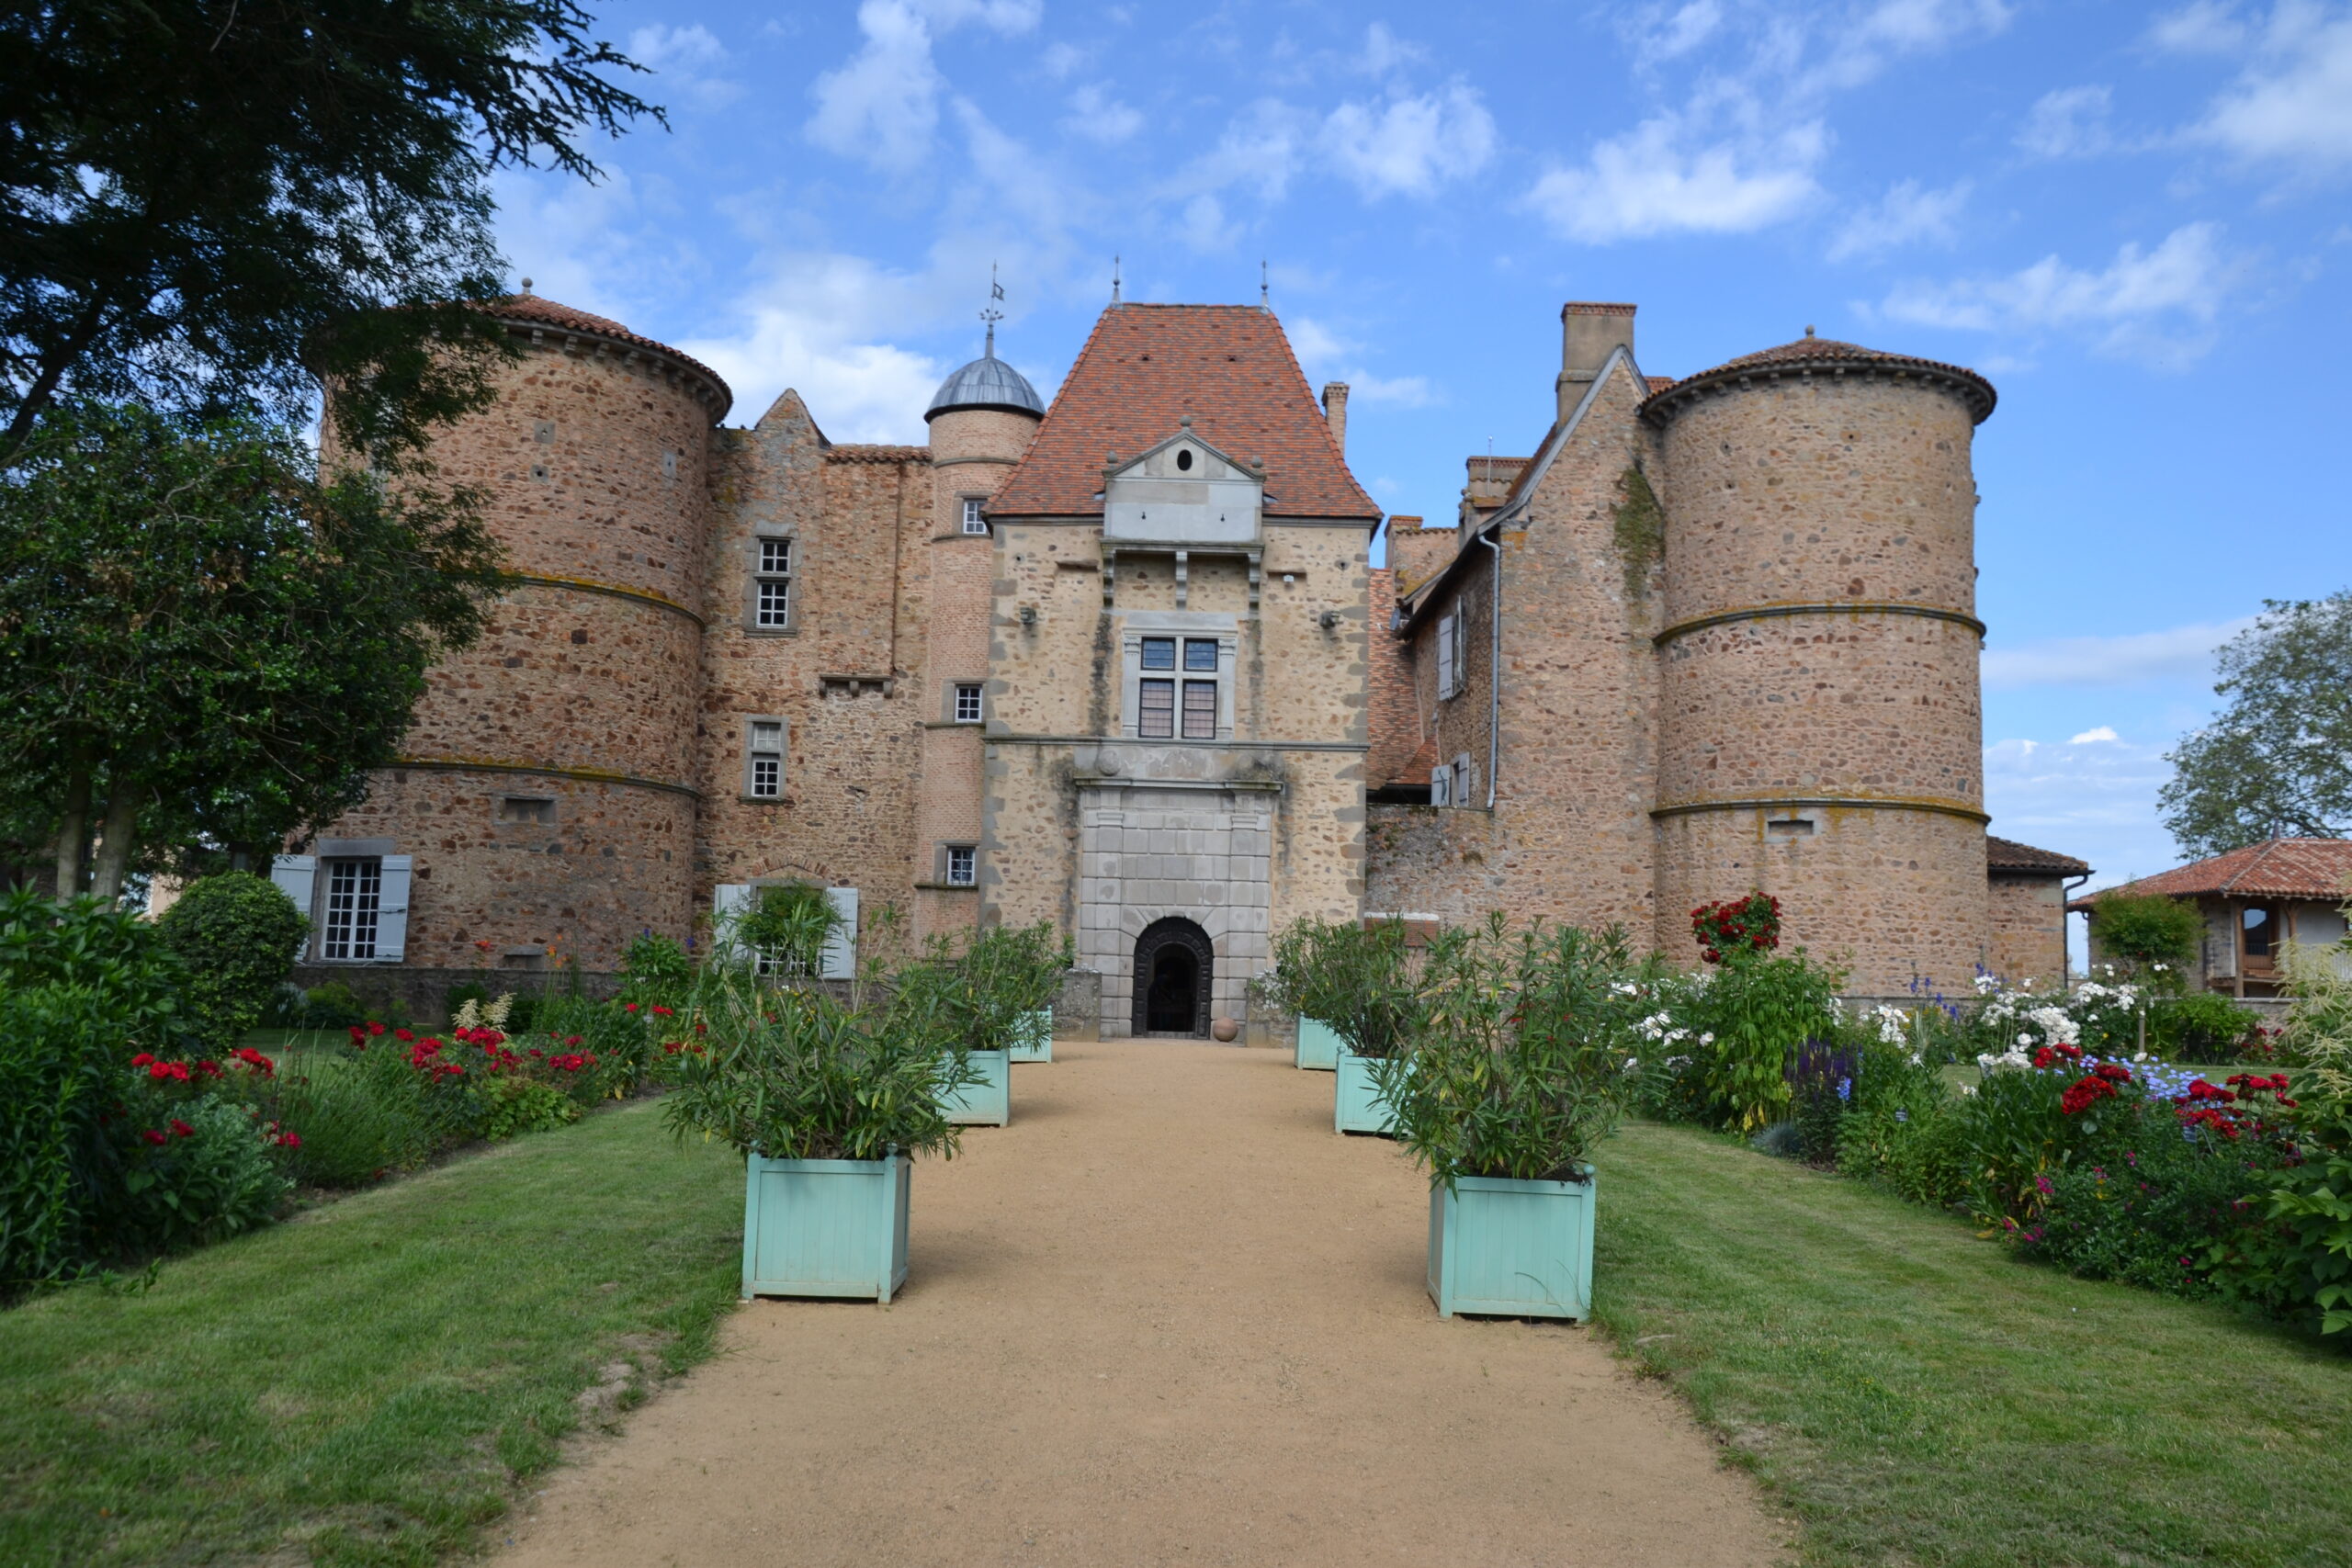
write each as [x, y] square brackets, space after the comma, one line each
[2008, 855]
[1830, 356]
[2275, 868]
[1145, 366]
[530, 309]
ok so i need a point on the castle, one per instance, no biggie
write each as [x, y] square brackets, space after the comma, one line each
[1124, 664]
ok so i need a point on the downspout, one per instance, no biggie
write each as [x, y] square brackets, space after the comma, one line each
[2065, 960]
[1494, 668]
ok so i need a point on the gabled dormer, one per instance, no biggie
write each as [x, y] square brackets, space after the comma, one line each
[1183, 491]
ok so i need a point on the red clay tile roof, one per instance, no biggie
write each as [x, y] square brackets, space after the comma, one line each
[1142, 369]
[2008, 855]
[1828, 355]
[532, 310]
[1658, 383]
[2275, 868]
[1395, 716]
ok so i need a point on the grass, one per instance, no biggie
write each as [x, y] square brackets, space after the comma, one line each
[373, 1380]
[1914, 1394]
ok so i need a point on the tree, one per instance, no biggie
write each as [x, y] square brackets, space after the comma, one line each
[200, 631]
[2278, 761]
[2150, 934]
[237, 936]
[213, 206]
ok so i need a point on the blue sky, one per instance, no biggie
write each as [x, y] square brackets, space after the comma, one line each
[2133, 219]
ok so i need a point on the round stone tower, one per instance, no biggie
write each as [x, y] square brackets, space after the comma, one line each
[548, 787]
[1820, 728]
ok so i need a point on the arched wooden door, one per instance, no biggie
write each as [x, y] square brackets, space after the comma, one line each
[1174, 967]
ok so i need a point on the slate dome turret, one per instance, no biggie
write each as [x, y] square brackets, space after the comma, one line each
[987, 382]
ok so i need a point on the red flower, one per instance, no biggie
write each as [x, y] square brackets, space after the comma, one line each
[141, 1059]
[571, 1040]
[290, 1140]
[152, 1136]
[161, 1072]
[663, 1012]
[2113, 1072]
[2084, 1093]
[403, 1035]
[375, 1028]
[181, 1129]
[629, 1007]
[358, 1035]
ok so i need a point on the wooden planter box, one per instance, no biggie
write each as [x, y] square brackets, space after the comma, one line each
[1356, 1105]
[1036, 1041]
[988, 1103]
[1318, 1046]
[1513, 1248]
[825, 1227]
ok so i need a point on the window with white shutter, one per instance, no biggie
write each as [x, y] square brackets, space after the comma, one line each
[1446, 669]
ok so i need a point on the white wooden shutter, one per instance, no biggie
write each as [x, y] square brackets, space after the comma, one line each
[297, 876]
[392, 909]
[1445, 656]
[729, 901]
[840, 959]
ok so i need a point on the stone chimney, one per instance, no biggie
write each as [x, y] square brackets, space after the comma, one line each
[1416, 554]
[1588, 334]
[1335, 411]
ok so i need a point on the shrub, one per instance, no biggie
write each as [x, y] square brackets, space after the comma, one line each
[60, 1055]
[111, 953]
[331, 1006]
[1353, 976]
[786, 928]
[513, 1104]
[2200, 1027]
[236, 936]
[2162, 1216]
[1748, 1020]
[1751, 924]
[1523, 1054]
[656, 970]
[792, 1074]
[1918, 1151]
[986, 995]
[193, 1173]
[2151, 935]
[615, 1039]
[351, 1132]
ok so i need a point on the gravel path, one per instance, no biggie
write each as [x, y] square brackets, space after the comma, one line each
[1167, 1316]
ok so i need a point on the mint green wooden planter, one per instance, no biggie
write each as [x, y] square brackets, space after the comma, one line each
[1513, 1248]
[988, 1103]
[1318, 1046]
[1036, 1043]
[824, 1227]
[1356, 1105]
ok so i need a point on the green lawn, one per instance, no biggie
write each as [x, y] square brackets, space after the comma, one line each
[373, 1378]
[1914, 1394]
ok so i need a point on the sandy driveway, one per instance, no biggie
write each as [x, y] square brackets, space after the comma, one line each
[1167, 1316]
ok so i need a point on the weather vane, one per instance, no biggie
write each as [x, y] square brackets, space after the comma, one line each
[993, 315]
[1114, 280]
[1263, 302]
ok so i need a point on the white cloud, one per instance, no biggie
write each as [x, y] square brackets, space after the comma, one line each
[1649, 181]
[1061, 60]
[1860, 47]
[1326, 355]
[1202, 226]
[1384, 51]
[2069, 122]
[1664, 36]
[2092, 736]
[1906, 215]
[2157, 306]
[882, 106]
[2292, 105]
[2176, 653]
[819, 323]
[689, 57]
[2204, 27]
[2094, 796]
[1098, 117]
[1412, 143]
[1398, 391]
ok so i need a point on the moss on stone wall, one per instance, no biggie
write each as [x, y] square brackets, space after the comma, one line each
[1640, 529]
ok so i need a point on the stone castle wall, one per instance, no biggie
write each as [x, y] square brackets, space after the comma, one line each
[2026, 935]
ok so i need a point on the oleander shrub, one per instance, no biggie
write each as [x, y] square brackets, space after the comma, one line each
[59, 1077]
[236, 936]
[111, 953]
[1354, 975]
[656, 969]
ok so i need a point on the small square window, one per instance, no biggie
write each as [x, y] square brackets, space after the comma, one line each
[963, 865]
[532, 809]
[973, 521]
[968, 703]
[1200, 655]
[1156, 714]
[1159, 653]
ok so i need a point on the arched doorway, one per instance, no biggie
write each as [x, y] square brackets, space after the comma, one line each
[1174, 966]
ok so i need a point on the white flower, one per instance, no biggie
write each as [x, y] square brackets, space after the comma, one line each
[2025, 1039]
[1708, 1038]
[1968, 1089]
[1987, 984]
[1917, 1060]
[1632, 1063]
[1892, 1023]
[2139, 1055]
